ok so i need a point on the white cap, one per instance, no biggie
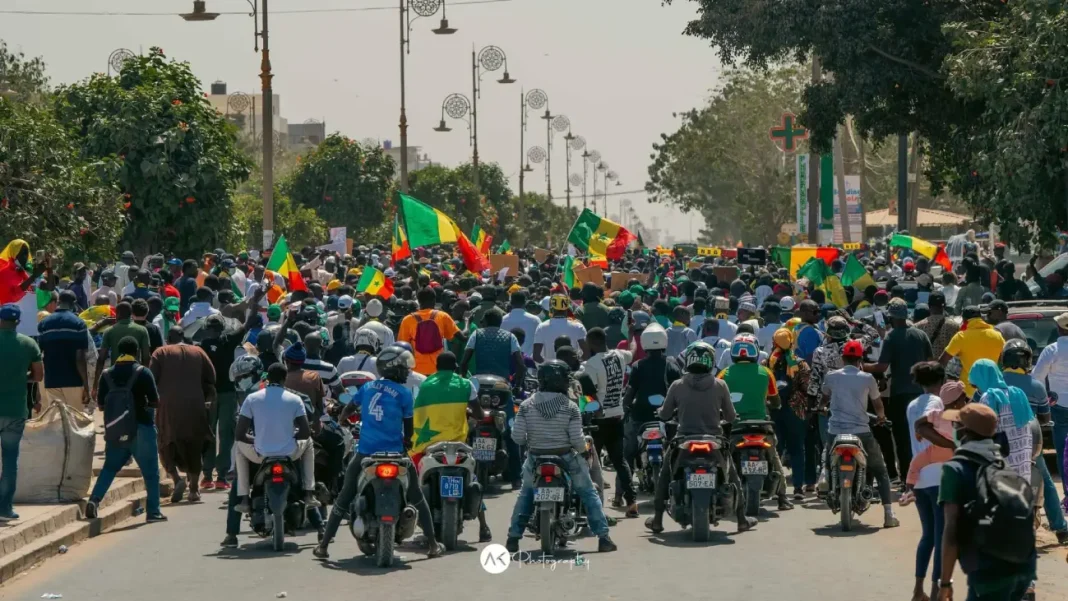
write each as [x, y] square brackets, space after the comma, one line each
[544, 304]
[475, 298]
[390, 273]
[374, 307]
[344, 302]
[787, 303]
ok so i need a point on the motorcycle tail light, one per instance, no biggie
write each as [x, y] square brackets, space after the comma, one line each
[276, 469]
[460, 458]
[651, 435]
[702, 447]
[754, 440]
[387, 471]
[487, 419]
[548, 470]
[844, 452]
[700, 470]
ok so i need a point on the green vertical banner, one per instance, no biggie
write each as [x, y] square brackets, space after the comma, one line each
[826, 198]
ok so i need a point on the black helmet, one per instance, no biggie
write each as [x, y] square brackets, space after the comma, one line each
[554, 376]
[1017, 354]
[394, 363]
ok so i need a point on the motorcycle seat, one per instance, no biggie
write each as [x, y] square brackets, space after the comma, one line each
[846, 439]
[400, 458]
[447, 447]
[652, 424]
[753, 426]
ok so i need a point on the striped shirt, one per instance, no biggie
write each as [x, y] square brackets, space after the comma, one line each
[549, 421]
[331, 378]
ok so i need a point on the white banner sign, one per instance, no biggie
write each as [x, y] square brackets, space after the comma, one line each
[856, 211]
[337, 240]
[801, 201]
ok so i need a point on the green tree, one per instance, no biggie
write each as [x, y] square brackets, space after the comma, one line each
[49, 196]
[721, 163]
[346, 183]
[545, 224]
[300, 225]
[21, 78]
[179, 157]
[453, 192]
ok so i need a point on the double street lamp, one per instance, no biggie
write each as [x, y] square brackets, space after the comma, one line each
[589, 157]
[490, 58]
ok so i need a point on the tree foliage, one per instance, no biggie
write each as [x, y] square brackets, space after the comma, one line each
[721, 163]
[300, 225]
[179, 157]
[346, 183]
[21, 78]
[544, 223]
[453, 192]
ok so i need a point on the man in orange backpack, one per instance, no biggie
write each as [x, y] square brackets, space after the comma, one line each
[427, 330]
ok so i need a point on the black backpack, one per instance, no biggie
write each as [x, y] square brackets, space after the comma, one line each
[120, 409]
[1002, 512]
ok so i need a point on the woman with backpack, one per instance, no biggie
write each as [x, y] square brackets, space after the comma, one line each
[127, 394]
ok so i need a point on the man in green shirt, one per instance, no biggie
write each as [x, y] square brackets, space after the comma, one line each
[21, 365]
[592, 313]
[109, 347]
[753, 389]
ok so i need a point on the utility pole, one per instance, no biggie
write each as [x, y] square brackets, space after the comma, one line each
[814, 173]
[902, 183]
[843, 205]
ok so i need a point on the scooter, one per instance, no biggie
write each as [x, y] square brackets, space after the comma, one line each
[701, 490]
[849, 482]
[553, 502]
[486, 437]
[277, 500]
[446, 475]
[382, 517]
[651, 451]
[751, 453]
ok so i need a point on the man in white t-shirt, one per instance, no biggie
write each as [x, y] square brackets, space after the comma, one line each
[374, 312]
[558, 325]
[274, 412]
[519, 318]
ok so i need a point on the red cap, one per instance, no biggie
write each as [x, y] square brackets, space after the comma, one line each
[853, 348]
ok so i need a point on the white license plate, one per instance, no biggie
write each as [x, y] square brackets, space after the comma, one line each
[485, 443]
[701, 481]
[555, 494]
[754, 468]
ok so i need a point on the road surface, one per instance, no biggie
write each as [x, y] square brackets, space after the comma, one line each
[798, 555]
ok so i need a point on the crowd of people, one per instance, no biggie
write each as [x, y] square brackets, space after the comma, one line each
[700, 342]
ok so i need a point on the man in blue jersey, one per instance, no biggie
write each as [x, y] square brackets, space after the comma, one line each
[386, 408]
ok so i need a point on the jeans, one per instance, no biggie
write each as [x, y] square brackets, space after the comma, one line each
[896, 412]
[233, 516]
[580, 481]
[1051, 500]
[631, 432]
[876, 464]
[1013, 592]
[1060, 432]
[143, 450]
[609, 436]
[11, 429]
[931, 520]
[223, 421]
[791, 433]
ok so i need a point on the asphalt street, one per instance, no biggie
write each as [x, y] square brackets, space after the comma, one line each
[800, 554]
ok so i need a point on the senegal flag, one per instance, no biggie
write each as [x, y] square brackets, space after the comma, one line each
[481, 240]
[794, 257]
[401, 250]
[283, 264]
[505, 248]
[427, 226]
[569, 272]
[440, 410]
[596, 235]
[919, 245]
[373, 281]
[855, 275]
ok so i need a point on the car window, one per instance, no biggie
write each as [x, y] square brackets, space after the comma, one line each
[1040, 332]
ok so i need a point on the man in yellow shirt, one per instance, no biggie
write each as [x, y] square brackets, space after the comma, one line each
[976, 340]
[426, 330]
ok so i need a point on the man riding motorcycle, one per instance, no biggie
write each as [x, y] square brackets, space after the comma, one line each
[753, 389]
[386, 407]
[702, 403]
[550, 424]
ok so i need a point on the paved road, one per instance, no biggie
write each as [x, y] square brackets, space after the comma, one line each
[798, 555]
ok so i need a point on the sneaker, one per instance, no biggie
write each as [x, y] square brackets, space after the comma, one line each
[194, 496]
[654, 526]
[485, 535]
[891, 521]
[230, 542]
[435, 549]
[207, 485]
[785, 504]
[748, 524]
[605, 545]
[512, 545]
[320, 552]
[310, 499]
[798, 495]
[632, 511]
[222, 485]
[1062, 537]
[155, 517]
[8, 516]
[90, 510]
[179, 490]
[243, 506]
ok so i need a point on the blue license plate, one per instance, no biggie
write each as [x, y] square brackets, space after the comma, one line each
[452, 487]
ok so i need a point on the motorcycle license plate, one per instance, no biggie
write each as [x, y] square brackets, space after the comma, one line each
[701, 481]
[846, 468]
[485, 448]
[754, 468]
[452, 487]
[555, 494]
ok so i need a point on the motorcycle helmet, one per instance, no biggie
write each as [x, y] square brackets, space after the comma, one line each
[246, 372]
[837, 328]
[366, 340]
[406, 346]
[745, 348]
[654, 338]
[265, 340]
[394, 363]
[1017, 354]
[699, 357]
[554, 376]
[640, 320]
[616, 315]
[559, 302]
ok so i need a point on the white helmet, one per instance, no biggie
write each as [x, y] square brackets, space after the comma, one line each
[245, 372]
[654, 338]
[366, 339]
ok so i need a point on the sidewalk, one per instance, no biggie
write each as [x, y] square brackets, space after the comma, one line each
[45, 530]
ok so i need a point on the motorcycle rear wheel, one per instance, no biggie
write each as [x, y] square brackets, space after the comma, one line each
[384, 549]
[545, 528]
[450, 521]
[279, 531]
[482, 474]
[846, 500]
[700, 522]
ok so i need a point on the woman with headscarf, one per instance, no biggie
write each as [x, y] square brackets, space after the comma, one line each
[791, 377]
[16, 272]
[1014, 414]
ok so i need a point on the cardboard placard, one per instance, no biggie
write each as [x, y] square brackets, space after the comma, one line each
[348, 246]
[619, 280]
[694, 265]
[499, 262]
[540, 255]
[725, 275]
[594, 275]
[752, 256]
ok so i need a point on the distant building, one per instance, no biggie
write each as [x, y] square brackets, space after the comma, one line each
[246, 112]
[416, 158]
[306, 135]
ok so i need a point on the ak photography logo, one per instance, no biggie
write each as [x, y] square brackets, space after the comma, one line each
[495, 559]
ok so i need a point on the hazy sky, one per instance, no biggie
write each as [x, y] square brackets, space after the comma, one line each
[617, 68]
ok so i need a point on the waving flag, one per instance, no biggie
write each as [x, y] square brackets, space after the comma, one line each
[569, 272]
[12, 275]
[481, 240]
[427, 226]
[919, 245]
[855, 275]
[794, 257]
[375, 282]
[596, 235]
[401, 250]
[505, 248]
[283, 264]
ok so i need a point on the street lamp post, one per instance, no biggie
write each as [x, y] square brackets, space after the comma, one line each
[117, 58]
[490, 58]
[589, 156]
[421, 8]
[536, 99]
[456, 106]
[609, 176]
[603, 168]
[573, 143]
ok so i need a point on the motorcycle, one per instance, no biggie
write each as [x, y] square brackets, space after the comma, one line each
[849, 482]
[277, 500]
[335, 445]
[751, 453]
[701, 490]
[446, 475]
[554, 503]
[486, 437]
[651, 452]
[381, 516]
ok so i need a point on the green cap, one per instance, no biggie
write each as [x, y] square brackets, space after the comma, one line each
[674, 302]
[172, 303]
[637, 290]
[274, 313]
[652, 292]
[626, 299]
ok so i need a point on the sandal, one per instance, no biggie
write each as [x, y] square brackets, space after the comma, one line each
[653, 527]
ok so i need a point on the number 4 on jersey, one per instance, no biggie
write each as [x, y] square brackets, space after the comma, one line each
[374, 408]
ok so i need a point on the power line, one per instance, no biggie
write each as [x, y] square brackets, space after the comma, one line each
[293, 11]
